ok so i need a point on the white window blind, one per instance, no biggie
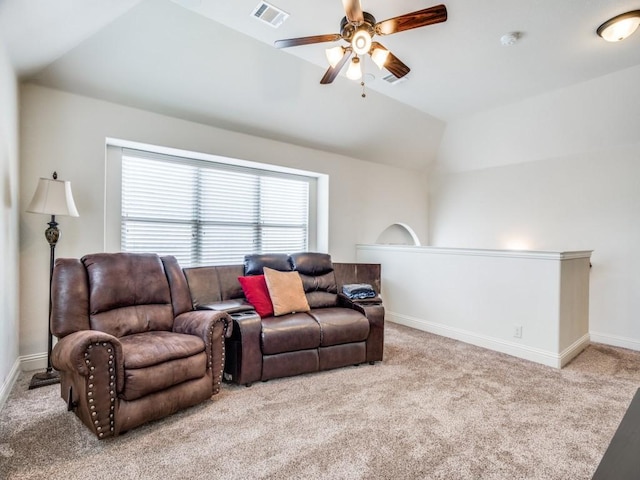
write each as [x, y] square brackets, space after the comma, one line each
[207, 213]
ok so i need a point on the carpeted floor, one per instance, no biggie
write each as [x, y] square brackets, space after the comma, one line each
[434, 409]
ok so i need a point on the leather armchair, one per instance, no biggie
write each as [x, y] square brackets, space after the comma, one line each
[130, 348]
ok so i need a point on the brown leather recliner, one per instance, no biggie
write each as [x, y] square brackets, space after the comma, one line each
[131, 348]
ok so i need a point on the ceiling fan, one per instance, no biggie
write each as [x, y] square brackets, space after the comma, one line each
[357, 28]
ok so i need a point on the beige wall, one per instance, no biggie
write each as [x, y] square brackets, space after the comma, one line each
[9, 326]
[559, 171]
[66, 133]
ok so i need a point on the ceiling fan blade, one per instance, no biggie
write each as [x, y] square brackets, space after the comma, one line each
[392, 63]
[294, 42]
[395, 66]
[331, 74]
[421, 18]
[353, 10]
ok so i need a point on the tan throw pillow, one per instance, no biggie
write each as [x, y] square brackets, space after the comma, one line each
[286, 292]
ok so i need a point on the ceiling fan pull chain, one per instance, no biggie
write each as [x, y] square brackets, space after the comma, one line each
[363, 77]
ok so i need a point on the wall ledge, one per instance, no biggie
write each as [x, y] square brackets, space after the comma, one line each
[530, 254]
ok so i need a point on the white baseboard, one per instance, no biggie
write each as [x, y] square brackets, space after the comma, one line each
[35, 361]
[615, 340]
[551, 359]
[10, 381]
[573, 350]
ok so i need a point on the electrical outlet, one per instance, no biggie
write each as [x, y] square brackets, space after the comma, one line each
[517, 331]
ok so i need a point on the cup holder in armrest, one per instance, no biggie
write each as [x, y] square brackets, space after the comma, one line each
[368, 301]
[244, 314]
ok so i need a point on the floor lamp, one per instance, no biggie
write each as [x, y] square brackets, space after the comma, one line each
[53, 197]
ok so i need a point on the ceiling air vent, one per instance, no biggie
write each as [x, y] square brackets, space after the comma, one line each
[270, 14]
[393, 80]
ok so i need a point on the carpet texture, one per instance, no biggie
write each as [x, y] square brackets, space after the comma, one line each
[435, 408]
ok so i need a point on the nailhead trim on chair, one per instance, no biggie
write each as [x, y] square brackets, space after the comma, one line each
[90, 389]
[216, 386]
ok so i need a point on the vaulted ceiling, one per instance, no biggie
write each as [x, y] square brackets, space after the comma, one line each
[213, 62]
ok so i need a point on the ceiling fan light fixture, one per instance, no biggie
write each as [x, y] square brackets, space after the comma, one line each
[354, 72]
[357, 29]
[620, 27]
[380, 56]
[361, 42]
[334, 55]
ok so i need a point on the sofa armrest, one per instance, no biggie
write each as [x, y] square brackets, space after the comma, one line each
[201, 323]
[212, 327]
[91, 365]
[360, 304]
[245, 363]
[73, 353]
[373, 309]
[244, 354]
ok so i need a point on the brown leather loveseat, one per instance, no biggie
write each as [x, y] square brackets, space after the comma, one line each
[335, 332]
[131, 347]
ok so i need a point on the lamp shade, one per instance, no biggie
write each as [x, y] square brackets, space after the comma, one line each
[354, 72]
[334, 55]
[53, 197]
[380, 56]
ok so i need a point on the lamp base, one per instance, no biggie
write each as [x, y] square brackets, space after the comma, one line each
[43, 379]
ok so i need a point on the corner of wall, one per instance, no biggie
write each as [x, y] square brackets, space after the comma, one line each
[9, 382]
[9, 223]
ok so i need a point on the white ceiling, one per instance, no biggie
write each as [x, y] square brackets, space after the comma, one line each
[36, 32]
[210, 61]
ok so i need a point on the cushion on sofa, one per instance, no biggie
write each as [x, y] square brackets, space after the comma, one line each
[151, 348]
[257, 294]
[286, 292]
[289, 333]
[321, 290]
[144, 381]
[311, 263]
[254, 264]
[340, 325]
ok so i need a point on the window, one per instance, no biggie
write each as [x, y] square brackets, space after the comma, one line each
[205, 212]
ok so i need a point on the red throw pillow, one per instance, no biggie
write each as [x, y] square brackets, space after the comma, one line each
[257, 294]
